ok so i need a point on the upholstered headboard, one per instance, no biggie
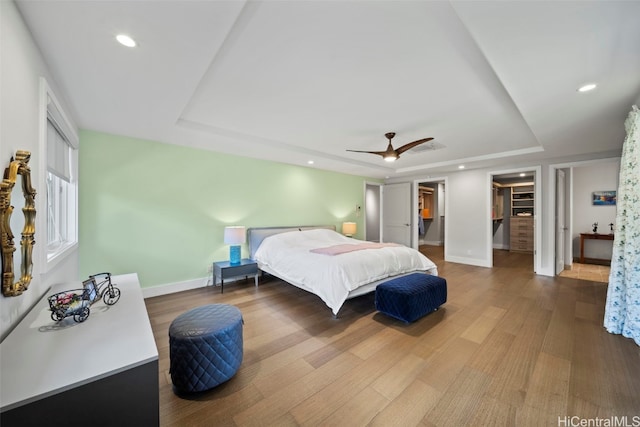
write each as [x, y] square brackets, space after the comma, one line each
[256, 235]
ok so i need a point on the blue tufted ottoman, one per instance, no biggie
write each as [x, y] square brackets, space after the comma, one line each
[410, 297]
[205, 347]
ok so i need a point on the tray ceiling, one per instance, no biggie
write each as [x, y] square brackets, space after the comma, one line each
[292, 81]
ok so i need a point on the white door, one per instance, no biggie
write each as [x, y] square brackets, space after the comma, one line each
[396, 213]
[560, 224]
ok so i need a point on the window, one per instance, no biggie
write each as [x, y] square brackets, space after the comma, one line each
[60, 144]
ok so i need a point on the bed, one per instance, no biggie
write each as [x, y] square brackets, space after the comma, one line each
[330, 265]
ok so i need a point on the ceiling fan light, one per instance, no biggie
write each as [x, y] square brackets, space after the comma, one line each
[125, 40]
[391, 158]
[587, 87]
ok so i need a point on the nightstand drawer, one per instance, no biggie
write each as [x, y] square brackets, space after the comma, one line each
[225, 270]
[240, 270]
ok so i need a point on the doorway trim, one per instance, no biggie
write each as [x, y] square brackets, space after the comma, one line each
[560, 216]
[537, 217]
[551, 231]
[415, 239]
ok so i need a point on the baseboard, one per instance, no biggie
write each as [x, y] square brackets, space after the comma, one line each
[170, 288]
[548, 271]
[596, 261]
[469, 261]
[501, 246]
[433, 242]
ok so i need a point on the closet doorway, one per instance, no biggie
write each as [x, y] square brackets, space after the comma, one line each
[513, 213]
[430, 213]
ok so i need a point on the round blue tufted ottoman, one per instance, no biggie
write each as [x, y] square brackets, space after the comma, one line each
[205, 347]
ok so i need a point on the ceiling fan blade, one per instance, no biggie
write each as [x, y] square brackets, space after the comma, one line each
[390, 154]
[379, 153]
[410, 145]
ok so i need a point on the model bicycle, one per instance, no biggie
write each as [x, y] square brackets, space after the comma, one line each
[77, 302]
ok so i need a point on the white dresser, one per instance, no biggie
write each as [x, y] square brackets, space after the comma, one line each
[103, 371]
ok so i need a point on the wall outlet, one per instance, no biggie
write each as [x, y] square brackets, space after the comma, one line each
[210, 269]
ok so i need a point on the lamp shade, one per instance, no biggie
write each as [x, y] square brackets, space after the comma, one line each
[235, 235]
[349, 228]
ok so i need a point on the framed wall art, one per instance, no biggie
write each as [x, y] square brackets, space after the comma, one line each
[603, 198]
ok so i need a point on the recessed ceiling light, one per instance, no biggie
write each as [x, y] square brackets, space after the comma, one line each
[461, 167]
[125, 40]
[587, 87]
[310, 162]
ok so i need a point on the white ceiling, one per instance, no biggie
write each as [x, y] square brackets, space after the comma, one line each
[492, 81]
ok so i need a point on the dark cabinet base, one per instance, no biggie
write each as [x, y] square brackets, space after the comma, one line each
[128, 398]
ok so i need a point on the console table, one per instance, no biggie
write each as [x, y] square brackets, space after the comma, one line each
[103, 371]
[592, 236]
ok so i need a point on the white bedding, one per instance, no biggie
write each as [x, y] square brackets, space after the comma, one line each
[287, 255]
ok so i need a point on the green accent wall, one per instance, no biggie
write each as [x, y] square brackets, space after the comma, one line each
[159, 210]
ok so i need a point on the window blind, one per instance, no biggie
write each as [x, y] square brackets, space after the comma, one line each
[58, 152]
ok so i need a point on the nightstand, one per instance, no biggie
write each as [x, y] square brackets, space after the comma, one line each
[224, 270]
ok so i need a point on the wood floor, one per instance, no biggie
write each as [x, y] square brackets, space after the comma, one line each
[508, 348]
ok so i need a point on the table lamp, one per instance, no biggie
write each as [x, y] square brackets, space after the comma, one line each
[349, 228]
[234, 236]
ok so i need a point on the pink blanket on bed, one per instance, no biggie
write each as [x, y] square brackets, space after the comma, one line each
[343, 249]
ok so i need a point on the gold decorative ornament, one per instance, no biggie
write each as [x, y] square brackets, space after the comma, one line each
[18, 168]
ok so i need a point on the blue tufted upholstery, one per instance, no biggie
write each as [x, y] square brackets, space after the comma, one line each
[410, 297]
[205, 347]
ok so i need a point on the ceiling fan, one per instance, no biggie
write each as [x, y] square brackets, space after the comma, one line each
[391, 154]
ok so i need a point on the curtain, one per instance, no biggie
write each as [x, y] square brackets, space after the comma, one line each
[622, 310]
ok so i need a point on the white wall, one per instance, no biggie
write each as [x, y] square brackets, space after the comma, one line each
[21, 66]
[466, 218]
[372, 212]
[587, 179]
